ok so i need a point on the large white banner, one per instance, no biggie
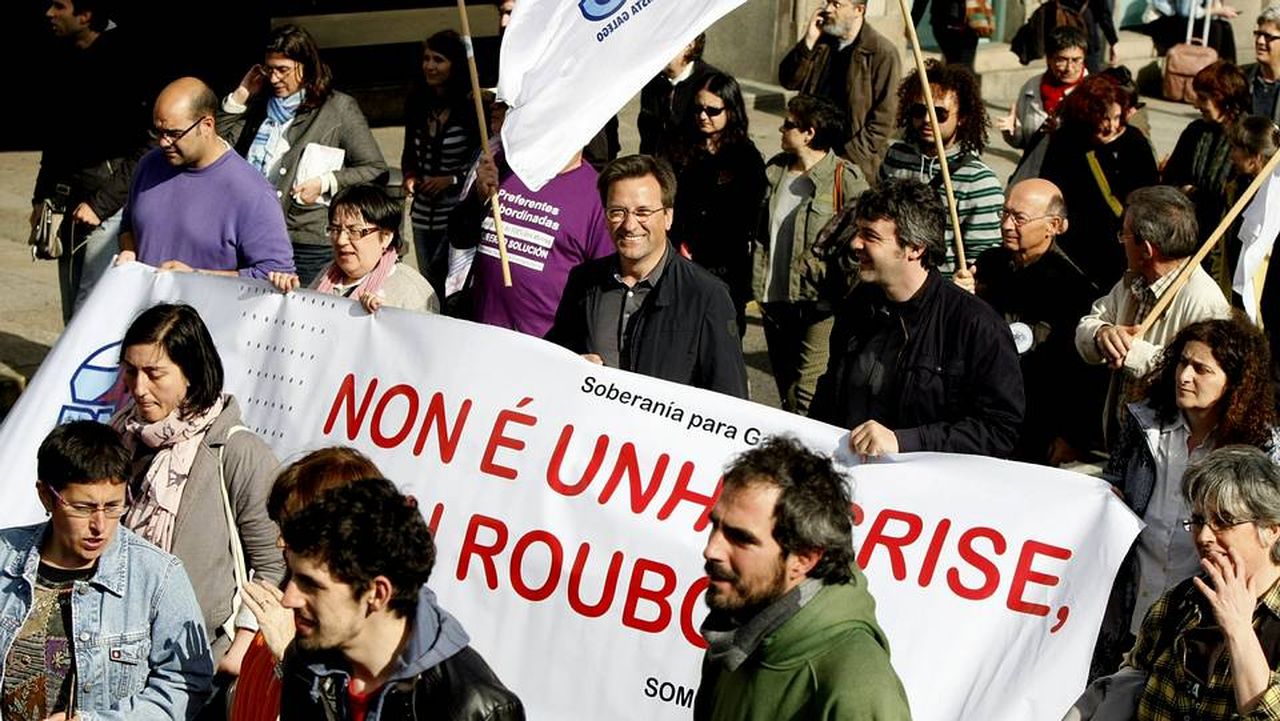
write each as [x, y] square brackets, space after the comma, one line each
[570, 500]
[567, 66]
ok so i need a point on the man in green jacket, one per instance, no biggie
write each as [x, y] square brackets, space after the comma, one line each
[792, 632]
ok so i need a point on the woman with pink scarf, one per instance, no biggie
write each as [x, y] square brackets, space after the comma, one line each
[199, 473]
[364, 229]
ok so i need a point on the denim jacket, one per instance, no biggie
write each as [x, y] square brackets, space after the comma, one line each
[141, 651]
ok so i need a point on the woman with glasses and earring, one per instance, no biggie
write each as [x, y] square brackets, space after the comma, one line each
[364, 230]
[792, 276]
[1209, 648]
[719, 173]
[308, 140]
[1212, 388]
[200, 477]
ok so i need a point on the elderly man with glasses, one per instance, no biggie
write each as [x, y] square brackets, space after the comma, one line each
[196, 206]
[96, 622]
[845, 60]
[1042, 294]
[1264, 75]
[646, 308]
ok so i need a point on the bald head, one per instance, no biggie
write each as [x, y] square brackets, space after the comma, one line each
[1034, 214]
[183, 121]
[1038, 195]
[187, 97]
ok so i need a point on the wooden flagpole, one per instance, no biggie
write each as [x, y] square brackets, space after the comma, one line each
[1185, 273]
[927, 95]
[484, 139]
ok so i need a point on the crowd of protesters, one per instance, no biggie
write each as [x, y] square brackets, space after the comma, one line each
[1077, 325]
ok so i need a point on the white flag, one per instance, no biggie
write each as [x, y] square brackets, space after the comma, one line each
[1258, 233]
[568, 66]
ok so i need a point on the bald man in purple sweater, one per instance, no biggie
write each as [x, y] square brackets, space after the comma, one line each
[195, 205]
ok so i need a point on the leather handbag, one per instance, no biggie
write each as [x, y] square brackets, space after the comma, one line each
[1184, 60]
[44, 240]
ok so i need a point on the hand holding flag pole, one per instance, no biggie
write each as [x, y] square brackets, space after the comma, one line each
[484, 139]
[927, 96]
[1185, 273]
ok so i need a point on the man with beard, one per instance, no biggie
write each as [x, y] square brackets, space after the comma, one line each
[962, 121]
[196, 205]
[646, 308]
[917, 364]
[844, 59]
[792, 631]
[372, 644]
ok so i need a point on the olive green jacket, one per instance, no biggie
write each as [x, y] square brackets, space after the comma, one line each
[829, 662]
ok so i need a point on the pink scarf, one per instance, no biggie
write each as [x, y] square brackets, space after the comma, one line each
[372, 281]
[153, 515]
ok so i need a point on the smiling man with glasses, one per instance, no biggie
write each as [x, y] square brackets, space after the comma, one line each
[843, 59]
[194, 204]
[97, 620]
[646, 308]
[1263, 76]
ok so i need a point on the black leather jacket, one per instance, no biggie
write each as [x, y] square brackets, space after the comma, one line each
[460, 688]
[940, 370]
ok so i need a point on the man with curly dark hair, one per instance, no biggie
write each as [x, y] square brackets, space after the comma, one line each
[962, 121]
[792, 626]
[372, 644]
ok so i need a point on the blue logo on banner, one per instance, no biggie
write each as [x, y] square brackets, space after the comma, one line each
[96, 387]
[600, 9]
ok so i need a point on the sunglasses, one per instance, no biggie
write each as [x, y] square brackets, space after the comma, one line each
[709, 111]
[918, 111]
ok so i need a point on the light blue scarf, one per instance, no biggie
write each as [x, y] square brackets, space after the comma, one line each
[268, 145]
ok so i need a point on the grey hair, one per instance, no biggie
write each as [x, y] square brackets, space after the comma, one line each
[1234, 484]
[1270, 16]
[918, 215]
[1163, 216]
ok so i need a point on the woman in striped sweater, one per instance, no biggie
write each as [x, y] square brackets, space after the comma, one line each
[440, 143]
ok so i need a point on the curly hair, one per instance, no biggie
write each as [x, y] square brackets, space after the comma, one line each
[813, 509]
[1089, 104]
[1225, 84]
[363, 530]
[1248, 413]
[971, 129]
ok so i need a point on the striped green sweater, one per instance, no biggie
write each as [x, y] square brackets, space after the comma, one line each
[979, 195]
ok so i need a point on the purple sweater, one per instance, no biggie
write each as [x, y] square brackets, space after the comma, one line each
[548, 233]
[221, 217]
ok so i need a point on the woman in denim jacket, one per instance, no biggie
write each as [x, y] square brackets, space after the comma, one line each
[95, 622]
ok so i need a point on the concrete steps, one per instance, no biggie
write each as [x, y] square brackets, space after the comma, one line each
[1002, 75]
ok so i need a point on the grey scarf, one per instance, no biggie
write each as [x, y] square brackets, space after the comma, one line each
[730, 642]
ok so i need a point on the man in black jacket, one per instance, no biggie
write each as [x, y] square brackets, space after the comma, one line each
[917, 363]
[371, 642]
[94, 123]
[647, 309]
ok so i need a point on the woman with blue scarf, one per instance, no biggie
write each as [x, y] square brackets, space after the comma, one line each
[308, 140]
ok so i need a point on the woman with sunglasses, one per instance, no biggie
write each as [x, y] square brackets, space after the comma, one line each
[1097, 158]
[719, 173]
[284, 112]
[808, 186]
[201, 478]
[1212, 388]
[364, 230]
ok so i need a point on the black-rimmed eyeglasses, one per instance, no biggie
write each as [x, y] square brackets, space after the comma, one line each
[173, 136]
